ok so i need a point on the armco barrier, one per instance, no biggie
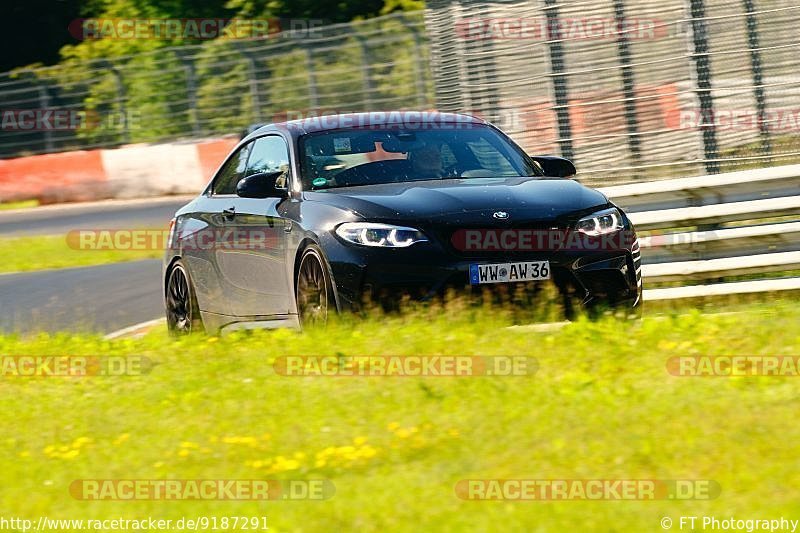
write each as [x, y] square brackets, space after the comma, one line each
[711, 227]
[772, 182]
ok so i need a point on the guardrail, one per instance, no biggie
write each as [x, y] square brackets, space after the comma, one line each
[705, 229]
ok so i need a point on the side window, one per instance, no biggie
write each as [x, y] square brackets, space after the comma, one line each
[270, 154]
[232, 171]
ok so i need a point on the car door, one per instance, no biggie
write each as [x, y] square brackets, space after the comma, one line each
[199, 232]
[253, 259]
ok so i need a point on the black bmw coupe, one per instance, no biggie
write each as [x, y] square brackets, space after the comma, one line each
[307, 217]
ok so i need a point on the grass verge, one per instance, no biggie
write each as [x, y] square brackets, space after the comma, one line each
[24, 204]
[23, 254]
[601, 406]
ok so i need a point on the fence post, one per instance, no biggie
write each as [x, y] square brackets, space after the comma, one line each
[419, 79]
[44, 103]
[758, 78]
[559, 80]
[313, 97]
[366, 61]
[446, 54]
[121, 100]
[252, 79]
[702, 64]
[628, 81]
[482, 72]
[191, 89]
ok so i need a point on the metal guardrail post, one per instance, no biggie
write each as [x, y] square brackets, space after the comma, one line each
[121, 101]
[628, 81]
[419, 73]
[252, 80]
[366, 60]
[313, 96]
[758, 79]
[191, 90]
[482, 73]
[446, 54]
[559, 80]
[702, 63]
[43, 96]
[44, 103]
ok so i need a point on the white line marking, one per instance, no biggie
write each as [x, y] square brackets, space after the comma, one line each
[102, 205]
[134, 329]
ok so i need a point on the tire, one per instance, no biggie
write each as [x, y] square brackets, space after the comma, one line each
[183, 314]
[313, 288]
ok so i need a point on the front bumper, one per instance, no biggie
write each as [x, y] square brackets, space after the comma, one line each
[428, 269]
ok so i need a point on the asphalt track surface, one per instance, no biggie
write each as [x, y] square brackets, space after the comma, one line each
[98, 299]
[57, 220]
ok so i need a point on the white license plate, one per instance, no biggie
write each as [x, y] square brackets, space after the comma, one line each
[509, 272]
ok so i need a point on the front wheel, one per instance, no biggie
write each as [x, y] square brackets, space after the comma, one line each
[314, 288]
[183, 315]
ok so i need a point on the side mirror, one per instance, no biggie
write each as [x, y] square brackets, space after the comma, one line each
[264, 185]
[556, 167]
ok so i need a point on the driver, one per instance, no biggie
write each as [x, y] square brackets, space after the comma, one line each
[426, 161]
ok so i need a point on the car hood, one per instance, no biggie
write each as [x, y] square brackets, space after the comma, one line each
[465, 200]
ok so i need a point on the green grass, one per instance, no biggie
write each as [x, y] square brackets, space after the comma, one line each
[601, 406]
[22, 254]
[24, 204]
[781, 144]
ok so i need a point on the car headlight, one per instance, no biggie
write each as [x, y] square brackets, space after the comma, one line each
[600, 223]
[383, 235]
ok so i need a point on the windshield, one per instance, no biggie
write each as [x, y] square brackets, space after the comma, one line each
[351, 157]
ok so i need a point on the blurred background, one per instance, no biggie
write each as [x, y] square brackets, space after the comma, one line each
[628, 89]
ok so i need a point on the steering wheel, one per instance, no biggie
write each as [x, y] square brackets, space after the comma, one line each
[457, 171]
[453, 171]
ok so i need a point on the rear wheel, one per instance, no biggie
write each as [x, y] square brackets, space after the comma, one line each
[183, 315]
[314, 293]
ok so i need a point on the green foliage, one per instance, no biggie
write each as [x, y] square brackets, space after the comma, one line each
[222, 74]
[24, 204]
[390, 6]
[144, 90]
[601, 406]
[328, 10]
